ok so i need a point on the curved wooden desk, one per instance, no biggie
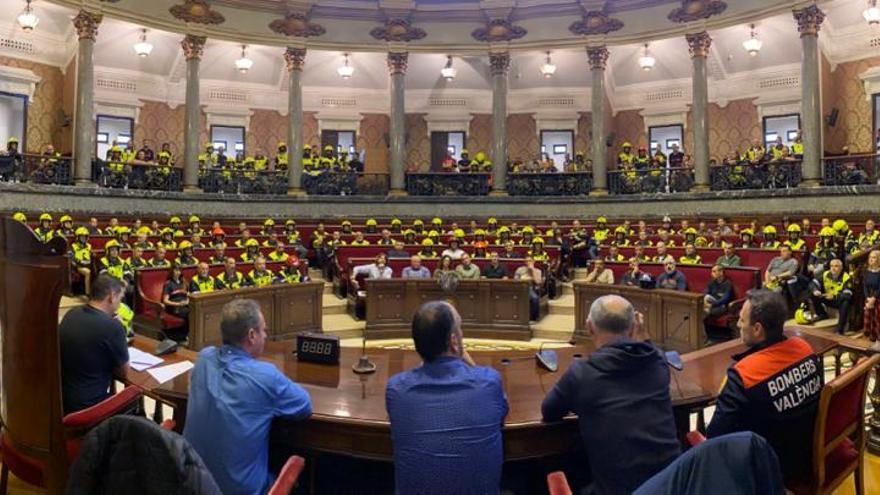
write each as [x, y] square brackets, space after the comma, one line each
[349, 414]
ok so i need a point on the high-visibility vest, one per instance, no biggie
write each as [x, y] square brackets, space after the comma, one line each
[205, 284]
[82, 253]
[260, 279]
[226, 282]
[276, 256]
[186, 260]
[797, 148]
[291, 278]
[690, 260]
[795, 245]
[116, 267]
[625, 158]
[832, 286]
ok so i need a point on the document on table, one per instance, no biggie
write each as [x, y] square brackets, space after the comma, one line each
[140, 360]
[164, 373]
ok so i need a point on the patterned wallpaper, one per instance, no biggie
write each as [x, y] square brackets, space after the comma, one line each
[372, 138]
[68, 102]
[265, 130]
[310, 129]
[582, 140]
[522, 137]
[732, 128]
[629, 125]
[827, 97]
[159, 123]
[418, 143]
[479, 137]
[45, 123]
[855, 119]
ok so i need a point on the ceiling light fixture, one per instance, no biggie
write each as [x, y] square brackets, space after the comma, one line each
[548, 69]
[872, 13]
[646, 61]
[345, 71]
[244, 63]
[143, 48]
[753, 44]
[28, 19]
[449, 71]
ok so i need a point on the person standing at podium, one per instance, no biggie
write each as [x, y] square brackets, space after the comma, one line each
[446, 415]
[620, 394]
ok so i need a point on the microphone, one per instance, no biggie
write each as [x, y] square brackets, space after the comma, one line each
[548, 359]
[364, 366]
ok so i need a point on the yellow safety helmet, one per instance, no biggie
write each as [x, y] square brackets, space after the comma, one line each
[328, 147]
[503, 228]
[626, 144]
[307, 146]
[458, 233]
[45, 216]
[690, 230]
[840, 225]
[480, 156]
[826, 232]
[194, 218]
[112, 243]
[165, 231]
[209, 145]
[144, 230]
[372, 222]
[65, 218]
[601, 220]
[528, 229]
[464, 151]
[418, 221]
[769, 229]
[427, 242]
[252, 242]
[492, 221]
[620, 230]
[433, 233]
[174, 220]
[538, 240]
[268, 222]
[436, 221]
[184, 244]
[346, 222]
[116, 149]
[793, 228]
[549, 233]
[123, 230]
[409, 231]
[396, 221]
[178, 233]
[803, 316]
[480, 232]
[290, 222]
[81, 231]
[282, 144]
[12, 140]
[21, 217]
[747, 232]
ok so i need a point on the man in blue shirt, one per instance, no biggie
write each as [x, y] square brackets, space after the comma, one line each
[415, 269]
[671, 278]
[233, 398]
[620, 394]
[446, 415]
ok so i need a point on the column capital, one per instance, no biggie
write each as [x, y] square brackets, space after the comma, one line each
[699, 44]
[397, 62]
[86, 24]
[808, 20]
[193, 46]
[499, 63]
[598, 56]
[295, 58]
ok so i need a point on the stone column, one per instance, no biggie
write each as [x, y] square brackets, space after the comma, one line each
[86, 24]
[499, 63]
[295, 58]
[809, 19]
[699, 45]
[598, 57]
[397, 70]
[193, 46]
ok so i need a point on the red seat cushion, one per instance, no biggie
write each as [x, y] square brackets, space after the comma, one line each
[839, 459]
[171, 321]
[27, 469]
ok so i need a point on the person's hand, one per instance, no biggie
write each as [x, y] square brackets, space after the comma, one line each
[869, 302]
[817, 293]
[640, 333]
[466, 357]
[829, 296]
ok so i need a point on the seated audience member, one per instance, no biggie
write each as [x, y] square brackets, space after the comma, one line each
[397, 251]
[633, 276]
[231, 278]
[671, 278]
[662, 253]
[718, 293]
[445, 269]
[620, 394]
[536, 278]
[773, 388]
[466, 269]
[92, 346]
[260, 276]
[454, 250]
[614, 254]
[446, 415]
[175, 297]
[871, 288]
[690, 256]
[781, 270]
[377, 269]
[495, 269]
[600, 274]
[290, 273]
[832, 290]
[233, 398]
[509, 252]
[415, 269]
[729, 258]
[202, 281]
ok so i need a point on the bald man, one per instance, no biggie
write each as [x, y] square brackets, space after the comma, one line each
[620, 394]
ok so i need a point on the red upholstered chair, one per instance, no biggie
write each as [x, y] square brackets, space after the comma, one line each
[288, 476]
[839, 436]
[557, 484]
[149, 309]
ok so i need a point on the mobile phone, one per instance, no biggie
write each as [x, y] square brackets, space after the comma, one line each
[673, 358]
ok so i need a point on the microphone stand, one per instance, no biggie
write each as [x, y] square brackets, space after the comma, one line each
[364, 366]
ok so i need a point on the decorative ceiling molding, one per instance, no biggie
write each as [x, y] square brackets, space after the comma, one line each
[338, 120]
[399, 30]
[197, 12]
[298, 25]
[497, 30]
[695, 10]
[448, 122]
[18, 81]
[595, 22]
[227, 115]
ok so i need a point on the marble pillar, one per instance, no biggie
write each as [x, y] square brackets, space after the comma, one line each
[397, 164]
[193, 47]
[499, 63]
[598, 57]
[699, 45]
[809, 20]
[295, 58]
[86, 24]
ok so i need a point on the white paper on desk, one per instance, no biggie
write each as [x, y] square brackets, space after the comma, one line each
[164, 373]
[140, 360]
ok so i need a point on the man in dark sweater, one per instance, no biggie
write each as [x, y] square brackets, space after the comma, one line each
[620, 394]
[718, 293]
[495, 268]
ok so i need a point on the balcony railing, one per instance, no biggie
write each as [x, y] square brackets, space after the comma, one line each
[345, 183]
[235, 181]
[39, 169]
[549, 184]
[650, 181]
[850, 170]
[447, 184]
[764, 175]
[138, 175]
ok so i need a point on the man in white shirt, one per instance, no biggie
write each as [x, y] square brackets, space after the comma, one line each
[375, 270]
[534, 275]
[454, 250]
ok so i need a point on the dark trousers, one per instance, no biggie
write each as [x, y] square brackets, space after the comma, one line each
[820, 304]
[534, 304]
